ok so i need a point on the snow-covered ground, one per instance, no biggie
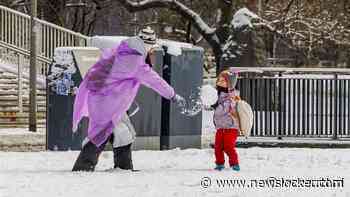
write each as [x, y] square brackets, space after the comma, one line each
[20, 131]
[171, 173]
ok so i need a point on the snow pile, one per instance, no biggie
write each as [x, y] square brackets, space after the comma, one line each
[15, 137]
[20, 131]
[243, 17]
[174, 173]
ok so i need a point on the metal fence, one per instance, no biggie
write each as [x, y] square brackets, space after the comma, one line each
[298, 102]
[15, 43]
[15, 31]
[20, 58]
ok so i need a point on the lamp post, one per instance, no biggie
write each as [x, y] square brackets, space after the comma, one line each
[32, 74]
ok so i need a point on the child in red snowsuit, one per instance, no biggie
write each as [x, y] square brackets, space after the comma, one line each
[226, 120]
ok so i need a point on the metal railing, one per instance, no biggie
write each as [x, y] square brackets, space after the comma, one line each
[298, 102]
[15, 43]
[15, 31]
[20, 59]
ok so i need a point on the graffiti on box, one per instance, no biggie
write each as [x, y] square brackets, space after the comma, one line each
[60, 75]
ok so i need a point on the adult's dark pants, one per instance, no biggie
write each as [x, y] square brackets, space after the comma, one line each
[88, 157]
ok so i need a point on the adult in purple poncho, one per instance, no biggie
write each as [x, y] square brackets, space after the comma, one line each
[107, 92]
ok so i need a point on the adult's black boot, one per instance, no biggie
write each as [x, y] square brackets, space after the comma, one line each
[87, 159]
[123, 158]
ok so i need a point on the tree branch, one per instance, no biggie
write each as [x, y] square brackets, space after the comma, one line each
[17, 3]
[228, 2]
[286, 10]
[202, 27]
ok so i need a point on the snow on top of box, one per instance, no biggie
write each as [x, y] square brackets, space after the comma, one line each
[103, 42]
[65, 49]
[114, 38]
[174, 47]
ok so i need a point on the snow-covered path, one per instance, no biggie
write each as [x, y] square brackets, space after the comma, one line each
[170, 173]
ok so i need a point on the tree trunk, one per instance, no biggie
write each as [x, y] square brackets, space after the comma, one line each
[217, 55]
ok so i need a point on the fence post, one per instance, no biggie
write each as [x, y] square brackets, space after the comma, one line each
[33, 66]
[20, 77]
[39, 38]
[335, 123]
[279, 106]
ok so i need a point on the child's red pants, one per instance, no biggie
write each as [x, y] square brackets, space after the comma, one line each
[225, 141]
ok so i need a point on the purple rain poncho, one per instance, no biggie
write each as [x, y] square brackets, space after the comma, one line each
[110, 87]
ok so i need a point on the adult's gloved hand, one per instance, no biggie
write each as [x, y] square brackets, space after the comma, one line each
[188, 108]
[179, 100]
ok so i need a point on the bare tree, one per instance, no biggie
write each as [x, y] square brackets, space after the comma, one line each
[312, 26]
[312, 30]
[215, 36]
[308, 27]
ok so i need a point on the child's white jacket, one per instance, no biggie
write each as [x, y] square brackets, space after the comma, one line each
[124, 133]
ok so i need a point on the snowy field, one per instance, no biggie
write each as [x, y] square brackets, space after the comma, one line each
[171, 173]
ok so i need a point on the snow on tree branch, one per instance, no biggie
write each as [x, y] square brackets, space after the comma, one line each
[243, 17]
[307, 28]
[202, 27]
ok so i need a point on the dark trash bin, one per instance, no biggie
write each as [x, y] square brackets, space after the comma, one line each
[184, 73]
[64, 77]
[159, 124]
